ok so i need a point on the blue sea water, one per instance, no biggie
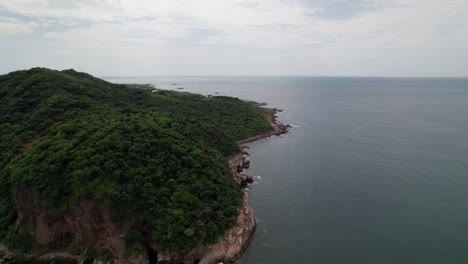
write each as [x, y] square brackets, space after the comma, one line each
[375, 170]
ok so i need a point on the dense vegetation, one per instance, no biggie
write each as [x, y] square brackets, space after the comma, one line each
[143, 154]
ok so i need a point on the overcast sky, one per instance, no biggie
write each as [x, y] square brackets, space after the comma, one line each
[237, 37]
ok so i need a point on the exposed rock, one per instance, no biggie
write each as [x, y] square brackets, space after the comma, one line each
[245, 179]
[249, 179]
[84, 224]
[246, 163]
[3, 251]
[235, 162]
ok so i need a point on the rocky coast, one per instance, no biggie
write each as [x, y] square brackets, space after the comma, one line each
[227, 250]
[230, 249]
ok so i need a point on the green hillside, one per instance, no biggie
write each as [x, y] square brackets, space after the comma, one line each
[157, 157]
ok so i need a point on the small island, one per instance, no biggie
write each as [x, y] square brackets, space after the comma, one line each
[92, 171]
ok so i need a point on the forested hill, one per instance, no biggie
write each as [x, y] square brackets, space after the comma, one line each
[157, 157]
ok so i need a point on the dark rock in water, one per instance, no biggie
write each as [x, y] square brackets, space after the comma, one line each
[245, 179]
[246, 164]
[239, 169]
[244, 184]
[175, 84]
[180, 88]
[249, 179]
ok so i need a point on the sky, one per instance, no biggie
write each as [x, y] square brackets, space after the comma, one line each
[237, 37]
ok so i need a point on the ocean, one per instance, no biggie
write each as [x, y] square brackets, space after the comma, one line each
[373, 170]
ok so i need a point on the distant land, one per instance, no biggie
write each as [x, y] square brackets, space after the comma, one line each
[92, 171]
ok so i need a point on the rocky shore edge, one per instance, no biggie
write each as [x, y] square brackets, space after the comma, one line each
[228, 250]
[231, 249]
[278, 128]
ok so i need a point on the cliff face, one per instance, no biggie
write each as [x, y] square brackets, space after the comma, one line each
[87, 224]
[82, 225]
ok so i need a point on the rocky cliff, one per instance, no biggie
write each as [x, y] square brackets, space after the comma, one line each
[89, 225]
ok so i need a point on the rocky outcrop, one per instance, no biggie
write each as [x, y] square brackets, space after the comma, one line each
[84, 224]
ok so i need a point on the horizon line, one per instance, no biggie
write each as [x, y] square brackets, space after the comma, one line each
[309, 76]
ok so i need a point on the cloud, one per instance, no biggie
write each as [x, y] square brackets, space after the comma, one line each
[12, 26]
[369, 37]
[238, 20]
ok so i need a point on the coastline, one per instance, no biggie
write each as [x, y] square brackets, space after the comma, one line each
[231, 249]
[228, 250]
[240, 236]
[278, 128]
[246, 220]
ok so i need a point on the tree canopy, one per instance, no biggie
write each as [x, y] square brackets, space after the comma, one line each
[158, 155]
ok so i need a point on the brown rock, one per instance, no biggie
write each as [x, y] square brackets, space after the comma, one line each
[84, 224]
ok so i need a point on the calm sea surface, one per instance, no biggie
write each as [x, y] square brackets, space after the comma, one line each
[374, 171]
